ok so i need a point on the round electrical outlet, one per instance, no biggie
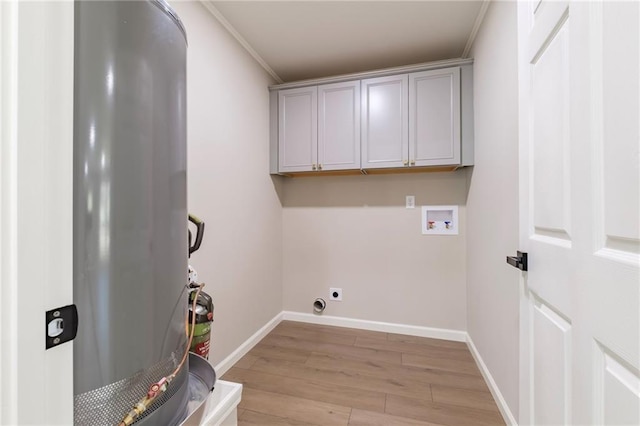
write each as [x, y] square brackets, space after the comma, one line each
[335, 294]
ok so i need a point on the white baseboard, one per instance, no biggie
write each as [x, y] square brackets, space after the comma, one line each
[493, 387]
[387, 327]
[224, 365]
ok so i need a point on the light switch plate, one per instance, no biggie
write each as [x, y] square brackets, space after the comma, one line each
[411, 201]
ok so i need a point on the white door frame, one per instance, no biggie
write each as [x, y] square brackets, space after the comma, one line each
[523, 17]
[36, 202]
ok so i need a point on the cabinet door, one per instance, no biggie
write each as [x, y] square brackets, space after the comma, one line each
[339, 126]
[434, 117]
[385, 142]
[297, 129]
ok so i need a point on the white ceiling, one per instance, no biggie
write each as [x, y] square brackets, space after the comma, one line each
[298, 40]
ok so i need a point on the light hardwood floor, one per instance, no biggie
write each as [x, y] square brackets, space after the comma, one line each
[306, 374]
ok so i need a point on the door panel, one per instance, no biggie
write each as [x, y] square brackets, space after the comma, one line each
[434, 117]
[385, 141]
[548, 163]
[551, 352]
[297, 129]
[339, 126]
[620, 156]
[617, 389]
[612, 275]
[543, 23]
[550, 139]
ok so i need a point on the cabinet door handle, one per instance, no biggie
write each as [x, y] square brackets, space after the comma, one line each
[319, 166]
[313, 166]
[405, 162]
[413, 162]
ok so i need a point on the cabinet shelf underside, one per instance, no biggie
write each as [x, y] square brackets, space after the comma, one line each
[385, 171]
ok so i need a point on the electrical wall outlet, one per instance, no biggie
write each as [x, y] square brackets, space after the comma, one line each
[411, 201]
[335, 294]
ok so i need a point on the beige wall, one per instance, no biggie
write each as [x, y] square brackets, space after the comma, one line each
[263, 254]
[492, 208]
[229, 184]
[354, 232]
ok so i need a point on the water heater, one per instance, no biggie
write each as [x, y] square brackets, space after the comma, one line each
[130, 209]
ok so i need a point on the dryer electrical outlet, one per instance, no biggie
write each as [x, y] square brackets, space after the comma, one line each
[335, 294]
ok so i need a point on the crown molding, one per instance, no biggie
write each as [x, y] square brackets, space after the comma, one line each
[476, 27]
[425, 66]
[208, 4]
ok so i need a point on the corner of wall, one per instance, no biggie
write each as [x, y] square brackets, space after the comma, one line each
[493, 215]
[229, 185]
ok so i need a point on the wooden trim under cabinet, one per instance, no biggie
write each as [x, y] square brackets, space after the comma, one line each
[436, 169]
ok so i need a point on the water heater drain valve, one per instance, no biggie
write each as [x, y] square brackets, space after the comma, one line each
[156, 388]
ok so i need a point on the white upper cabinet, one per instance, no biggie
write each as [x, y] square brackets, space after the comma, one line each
[415, 117]
[385, 141]
[297, 129]
[319, 128]
[339, 126]
[434, 117]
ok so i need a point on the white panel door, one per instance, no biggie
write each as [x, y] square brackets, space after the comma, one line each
[579, 173]
[298, 129]
[434, 117]
[339, 126]
[385, 141]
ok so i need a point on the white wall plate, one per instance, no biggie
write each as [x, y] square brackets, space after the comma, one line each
[440, 220]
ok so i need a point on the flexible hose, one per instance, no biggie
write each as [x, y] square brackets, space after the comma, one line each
[161, 386]
[169, 329]
[193, 327]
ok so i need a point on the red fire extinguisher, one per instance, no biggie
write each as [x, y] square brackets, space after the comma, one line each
[204, 303]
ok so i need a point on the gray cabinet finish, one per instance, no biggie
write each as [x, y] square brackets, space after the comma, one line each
[434, 117]
[339, 126]
[297, 124]
[385, 140]
[418, 116]
[319, 128]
